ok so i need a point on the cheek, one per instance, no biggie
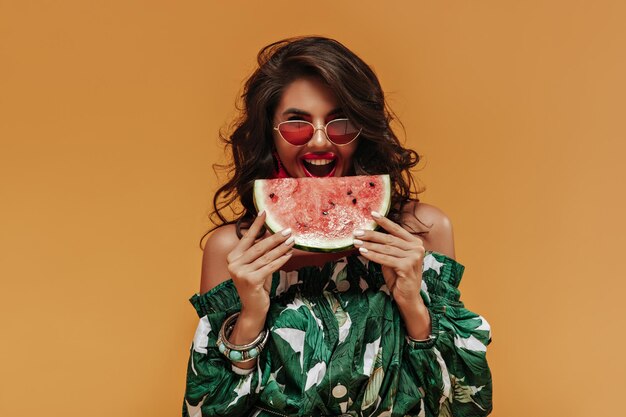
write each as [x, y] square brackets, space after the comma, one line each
[278, 147]
[286, 153]
[348, 153]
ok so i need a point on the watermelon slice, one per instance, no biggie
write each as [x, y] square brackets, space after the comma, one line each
[323, 212]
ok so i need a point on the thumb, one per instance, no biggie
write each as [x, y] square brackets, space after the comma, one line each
[390, 278]
[267, 285]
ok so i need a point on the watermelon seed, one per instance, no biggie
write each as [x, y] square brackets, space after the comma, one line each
[371, 184]
[272, 195]
[324, 213]
[332, 204]
[354, 201]
[349, 192]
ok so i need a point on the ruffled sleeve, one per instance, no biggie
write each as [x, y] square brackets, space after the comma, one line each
[214, 387]
[451, 367]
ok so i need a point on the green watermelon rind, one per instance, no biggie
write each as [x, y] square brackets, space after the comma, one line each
[335, 245]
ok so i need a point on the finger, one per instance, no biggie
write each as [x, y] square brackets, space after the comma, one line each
[254, 229]
[383, 248]
[249, 237]
[260, 248]
[275, 265]
[392, 227]
[267, 285]
[273, 254]
[383, 259]
[384, 239]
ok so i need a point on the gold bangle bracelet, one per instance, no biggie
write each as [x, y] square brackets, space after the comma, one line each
[420, 340]
[227, 329]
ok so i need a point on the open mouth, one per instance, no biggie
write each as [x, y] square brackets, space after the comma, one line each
[319, 166]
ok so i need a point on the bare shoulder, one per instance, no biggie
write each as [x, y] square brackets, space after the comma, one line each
[214, 265]
[432, 225]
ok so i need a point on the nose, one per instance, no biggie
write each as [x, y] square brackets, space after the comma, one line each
[319, 138]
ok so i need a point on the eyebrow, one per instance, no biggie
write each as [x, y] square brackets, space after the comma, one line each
[293, 110]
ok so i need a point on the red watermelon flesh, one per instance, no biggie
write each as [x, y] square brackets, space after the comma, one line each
[323, 212]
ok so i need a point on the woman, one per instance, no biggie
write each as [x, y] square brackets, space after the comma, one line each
[376, 331]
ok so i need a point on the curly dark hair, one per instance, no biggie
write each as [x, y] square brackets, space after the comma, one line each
[360, 97]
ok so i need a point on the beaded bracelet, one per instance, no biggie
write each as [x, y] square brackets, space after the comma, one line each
[239, 353]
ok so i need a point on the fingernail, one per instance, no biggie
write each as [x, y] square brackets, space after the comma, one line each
[358, 232]
[376, 215]
[363, 250]
[262, 212]
[358, 242]
[290, 241]
[286, 232]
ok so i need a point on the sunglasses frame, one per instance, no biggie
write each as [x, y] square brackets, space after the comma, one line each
[315, 129]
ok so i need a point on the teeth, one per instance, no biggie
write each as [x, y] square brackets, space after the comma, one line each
[319, 161]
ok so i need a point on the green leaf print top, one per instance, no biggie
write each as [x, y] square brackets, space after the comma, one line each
[338, 346]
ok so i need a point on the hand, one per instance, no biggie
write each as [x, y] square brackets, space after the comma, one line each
[251, 265]
[401, 256]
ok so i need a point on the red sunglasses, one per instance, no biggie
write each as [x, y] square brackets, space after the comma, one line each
[300, 132]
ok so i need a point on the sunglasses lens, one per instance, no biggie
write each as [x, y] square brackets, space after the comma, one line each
[341, 131]
[296, 133]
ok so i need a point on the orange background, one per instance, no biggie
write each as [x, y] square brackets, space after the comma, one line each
[109, 113]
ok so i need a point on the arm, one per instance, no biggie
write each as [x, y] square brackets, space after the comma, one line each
[448, 362]
[451, 367]
[214, 385]
[454, 359]
[215, 270]
[401, 253]
[440, 239]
